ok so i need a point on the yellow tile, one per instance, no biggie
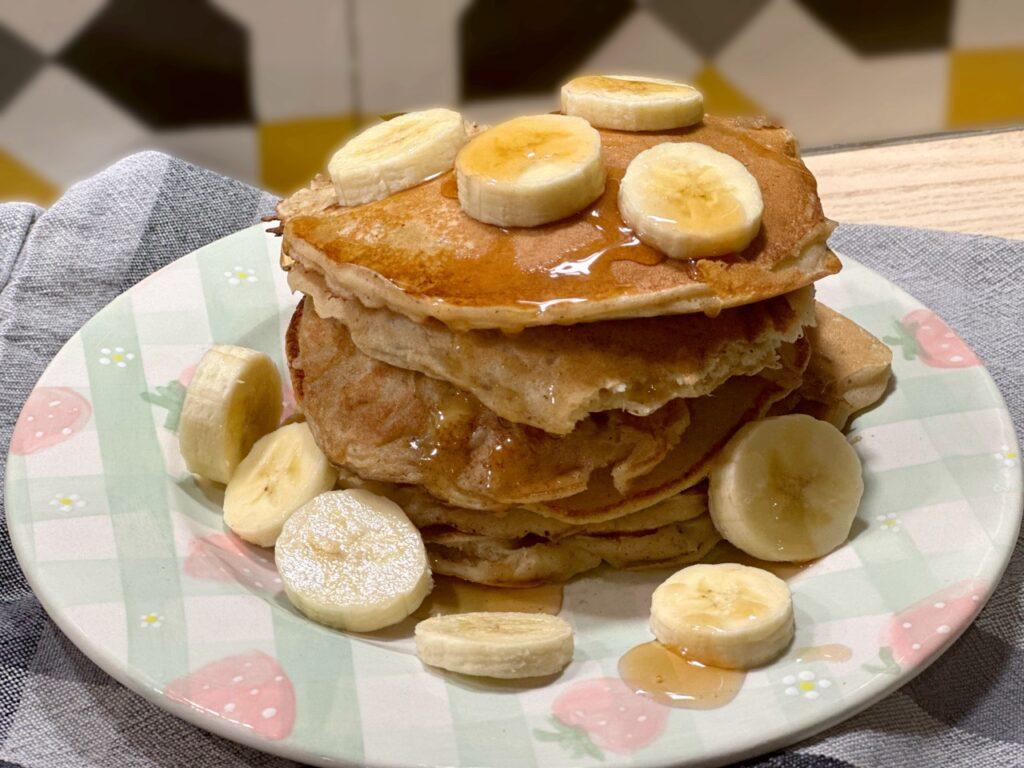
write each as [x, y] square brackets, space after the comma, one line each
[721, 97]
[986, 86]
[292, 151]
[18, 182]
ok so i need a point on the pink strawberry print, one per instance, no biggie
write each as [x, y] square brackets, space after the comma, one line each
[250, 689]
[603, 713]
[916, 632]
[225, 557]
[51, 415]
[923, 334]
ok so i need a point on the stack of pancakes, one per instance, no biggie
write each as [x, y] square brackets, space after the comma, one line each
[543, 400]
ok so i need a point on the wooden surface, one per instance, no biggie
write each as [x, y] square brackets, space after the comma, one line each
[972, 183]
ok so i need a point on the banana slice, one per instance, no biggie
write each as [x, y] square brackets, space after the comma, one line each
[352, 560]
[233, 400]
[396, 154]
[730, 616]
[283, 471]
[786, 489]
[530, 171]
[499, 644]
[631, 103]
[690, 201]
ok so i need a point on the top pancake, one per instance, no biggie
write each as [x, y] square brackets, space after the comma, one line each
[417, 253]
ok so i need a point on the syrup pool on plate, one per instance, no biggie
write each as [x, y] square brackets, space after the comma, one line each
[671, 678]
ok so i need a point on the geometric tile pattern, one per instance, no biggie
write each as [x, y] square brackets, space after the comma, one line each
[263, 90]
[171, 64]
[879, 26]
[18, 62]
[530, 46]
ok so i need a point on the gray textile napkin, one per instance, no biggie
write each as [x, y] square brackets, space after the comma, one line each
[58, 267]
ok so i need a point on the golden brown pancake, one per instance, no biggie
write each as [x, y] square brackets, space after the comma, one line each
[417, 253]
[533, 560]
[849, 370]
[390, 424]
[425, 512]
[551, 377]
[714, 419]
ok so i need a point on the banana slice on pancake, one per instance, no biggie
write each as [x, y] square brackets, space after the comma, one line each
[530, 171]
[632, 103]
[728, 615]
[691, 201]
[397, 154]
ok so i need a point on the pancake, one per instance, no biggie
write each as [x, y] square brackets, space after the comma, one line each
[533, 560]
[417, 253]
[393, 425]
[390, 424]
[849, 370]
[715, 418]
[551, 377]
[425, 512]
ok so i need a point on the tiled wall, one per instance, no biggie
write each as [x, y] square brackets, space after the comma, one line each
[264, 89]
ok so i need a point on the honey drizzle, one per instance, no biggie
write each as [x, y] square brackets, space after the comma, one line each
[675, 680]
[452, 595]
[568, 261]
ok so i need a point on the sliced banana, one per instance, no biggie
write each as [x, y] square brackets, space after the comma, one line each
[632, 103]
[730, 616]
[530, 171]
[233, 400]
[500, 644]
[396, 154]
[786, 489]
[690, 201]
[352, 560]
[283, 471]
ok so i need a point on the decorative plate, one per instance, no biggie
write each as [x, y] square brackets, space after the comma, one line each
[130, 557]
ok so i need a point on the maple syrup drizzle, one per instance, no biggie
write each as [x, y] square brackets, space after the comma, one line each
[671, 678]
[828, 652]
[584, 257]
[452, 595]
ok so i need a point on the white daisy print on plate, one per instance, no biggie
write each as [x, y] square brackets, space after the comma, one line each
[239, 275]
[805, 684]
[116, 356]
[889, 522]
[1007, 456]
[153, 620]
[67, 502]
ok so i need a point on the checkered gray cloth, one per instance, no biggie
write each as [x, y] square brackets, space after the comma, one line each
[58, 267]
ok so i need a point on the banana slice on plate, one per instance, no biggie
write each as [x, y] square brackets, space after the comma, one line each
[233, 400]
[352, 560]
[786, 489]
[283, 471]
[396, 154]
[690, 201]
[632, 103]
[730, 616]
[500, 644]
[530, 171]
